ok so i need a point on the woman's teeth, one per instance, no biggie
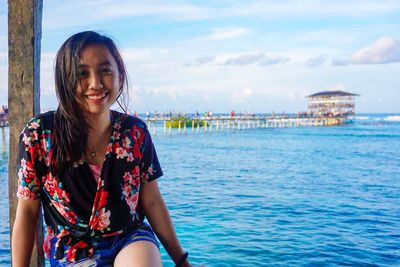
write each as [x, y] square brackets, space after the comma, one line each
[96, 97]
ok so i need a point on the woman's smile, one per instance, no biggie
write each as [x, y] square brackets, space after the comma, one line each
[97, 97]
[98, 84]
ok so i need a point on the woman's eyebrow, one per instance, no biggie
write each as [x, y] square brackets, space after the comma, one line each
[105, 62]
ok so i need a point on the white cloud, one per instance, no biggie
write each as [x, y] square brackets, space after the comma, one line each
[317, 61]
[240, 96]
[245, 59]
[201, 61]
[226, 33]
[340, 62]
[142, 54]
[385, 50]
[273, 60]
[239, 59]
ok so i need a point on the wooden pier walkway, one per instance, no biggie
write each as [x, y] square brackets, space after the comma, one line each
[227, 123]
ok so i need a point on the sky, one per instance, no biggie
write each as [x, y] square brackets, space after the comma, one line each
[247, 56]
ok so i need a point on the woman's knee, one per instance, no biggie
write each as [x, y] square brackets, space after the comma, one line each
[139, 254]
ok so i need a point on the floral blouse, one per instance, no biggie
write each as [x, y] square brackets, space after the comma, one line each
[76, 206]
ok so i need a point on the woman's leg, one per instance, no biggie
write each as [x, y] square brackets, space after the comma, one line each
[139, 254]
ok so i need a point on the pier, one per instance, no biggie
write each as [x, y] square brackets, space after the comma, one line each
[228, 123]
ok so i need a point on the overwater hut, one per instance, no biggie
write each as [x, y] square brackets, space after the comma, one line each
[331, 104]
[3, 116]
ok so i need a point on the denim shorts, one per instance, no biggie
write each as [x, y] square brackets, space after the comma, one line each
[106, 248]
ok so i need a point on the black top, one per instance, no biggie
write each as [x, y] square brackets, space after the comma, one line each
[74, 203]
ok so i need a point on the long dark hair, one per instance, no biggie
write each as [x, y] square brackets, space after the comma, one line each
[70, 126]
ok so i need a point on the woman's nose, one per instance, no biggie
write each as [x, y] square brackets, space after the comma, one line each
[95, 82]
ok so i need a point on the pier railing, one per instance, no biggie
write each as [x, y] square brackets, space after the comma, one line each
[228, 123]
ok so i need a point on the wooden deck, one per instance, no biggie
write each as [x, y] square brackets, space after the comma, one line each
[207, 124]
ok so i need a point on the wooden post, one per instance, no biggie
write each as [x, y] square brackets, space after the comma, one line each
[24, 35]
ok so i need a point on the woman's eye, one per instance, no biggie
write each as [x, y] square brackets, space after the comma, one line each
[82, 74]
[107, 71]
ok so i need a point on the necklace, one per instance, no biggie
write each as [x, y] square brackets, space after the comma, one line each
[92, 151]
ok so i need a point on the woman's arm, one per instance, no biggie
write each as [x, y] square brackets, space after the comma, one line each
[157, 214]
[23, 234]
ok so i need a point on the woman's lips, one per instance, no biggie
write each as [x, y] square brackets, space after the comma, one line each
[97, 97]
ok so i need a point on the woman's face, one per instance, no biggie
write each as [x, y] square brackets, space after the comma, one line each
[98, 80]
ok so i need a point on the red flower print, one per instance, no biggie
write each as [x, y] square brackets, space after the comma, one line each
[138, 135]
[46, 242]
[24, 193]
[136, 151]
[132, 202]
[109, 149]
[34, 136]
[136, 182]
[26, 140]
[50, 184]
[101, 220]
[34, 125]
[116, 135]
[127, 177]
[69, 215]
[126, 142]
[127, 190]
[23, 163]
[44, 144]
[135, 171]
[130, 157]
[103, 198]
[121, 153]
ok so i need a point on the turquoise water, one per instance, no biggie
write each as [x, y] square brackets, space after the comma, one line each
[327, 196]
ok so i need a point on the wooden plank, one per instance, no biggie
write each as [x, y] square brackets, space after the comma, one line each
[24, 36]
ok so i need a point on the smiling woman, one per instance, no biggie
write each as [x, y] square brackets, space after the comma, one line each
[99, 83]
[93, 169]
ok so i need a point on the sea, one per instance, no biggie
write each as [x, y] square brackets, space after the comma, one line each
[305, 196]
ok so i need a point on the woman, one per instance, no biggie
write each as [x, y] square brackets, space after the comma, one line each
[93, 169]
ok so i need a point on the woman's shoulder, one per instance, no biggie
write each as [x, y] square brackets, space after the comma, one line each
[127, 121]
[42, 121]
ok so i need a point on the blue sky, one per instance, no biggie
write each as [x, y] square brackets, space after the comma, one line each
[255, 56]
